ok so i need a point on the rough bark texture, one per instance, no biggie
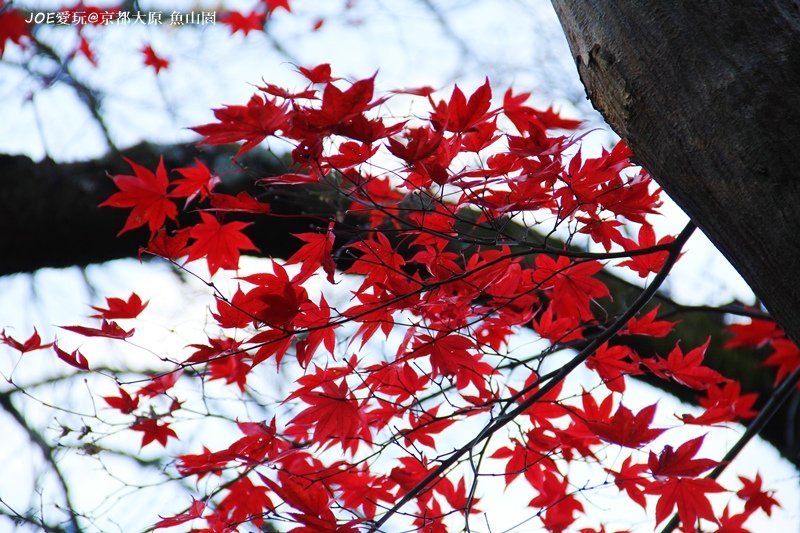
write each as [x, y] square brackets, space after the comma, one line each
[707, 95]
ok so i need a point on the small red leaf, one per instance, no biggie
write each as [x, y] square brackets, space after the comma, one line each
[319, 74]
[108, 329]
[154, 60]
[195, 511]
[34, 342]
[153, 431]
[121, 309]
[123, 403]
[75, 358]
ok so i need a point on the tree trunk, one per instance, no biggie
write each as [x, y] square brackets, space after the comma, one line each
[707, 95]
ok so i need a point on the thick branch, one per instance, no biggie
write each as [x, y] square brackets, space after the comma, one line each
[51, 219]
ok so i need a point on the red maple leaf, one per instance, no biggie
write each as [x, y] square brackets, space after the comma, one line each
[629, 479]
[561, 330]
[689, 495]
[522, 460]
[153, 431]
[412, 471]
[679, 462]
[146, 193]
[338, 105]
[34, 342]
[334, 415]
[220, 244]
[316, 318]
[237, 21]
[459, 114]
[75, 358]
[159, 384]
[648, 325]
[623, 427]
[360, 488]
[394, 380]
[252, 123]
[170, 247]
[229, 313]
[121, 309]
[572, 284]
[454, 356]
[272, 5]
[195, 511]
[686, 369]
[732, 524]
[243, 202]
[124, 403]
[755, 497]
[602, 231]
[319, 74]
[108, 329]
[215, 349]
[421, 143]
[196, 181]
[785, 356]
[312, 499]
[754, 335]
[613, 364]
[425, 425]
[276, 301]
[13, 27]
[351, 154]
[274, 90]
[646, 264]
[270, 343]
[245, 502]
[724, 403]
[85, 49]
[154, 60]
[315, 253]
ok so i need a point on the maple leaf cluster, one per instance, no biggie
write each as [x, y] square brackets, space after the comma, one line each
[431, 204]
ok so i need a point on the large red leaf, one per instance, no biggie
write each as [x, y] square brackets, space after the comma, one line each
[220, 244]
[146, 193]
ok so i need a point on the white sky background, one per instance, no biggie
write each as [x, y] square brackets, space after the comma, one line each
[513, 42]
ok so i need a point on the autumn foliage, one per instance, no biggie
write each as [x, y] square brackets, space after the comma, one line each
[410, 390]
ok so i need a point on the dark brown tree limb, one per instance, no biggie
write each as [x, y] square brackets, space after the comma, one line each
[50, 216]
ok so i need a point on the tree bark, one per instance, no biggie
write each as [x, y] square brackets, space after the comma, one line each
[50, 216]
[707, 95]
